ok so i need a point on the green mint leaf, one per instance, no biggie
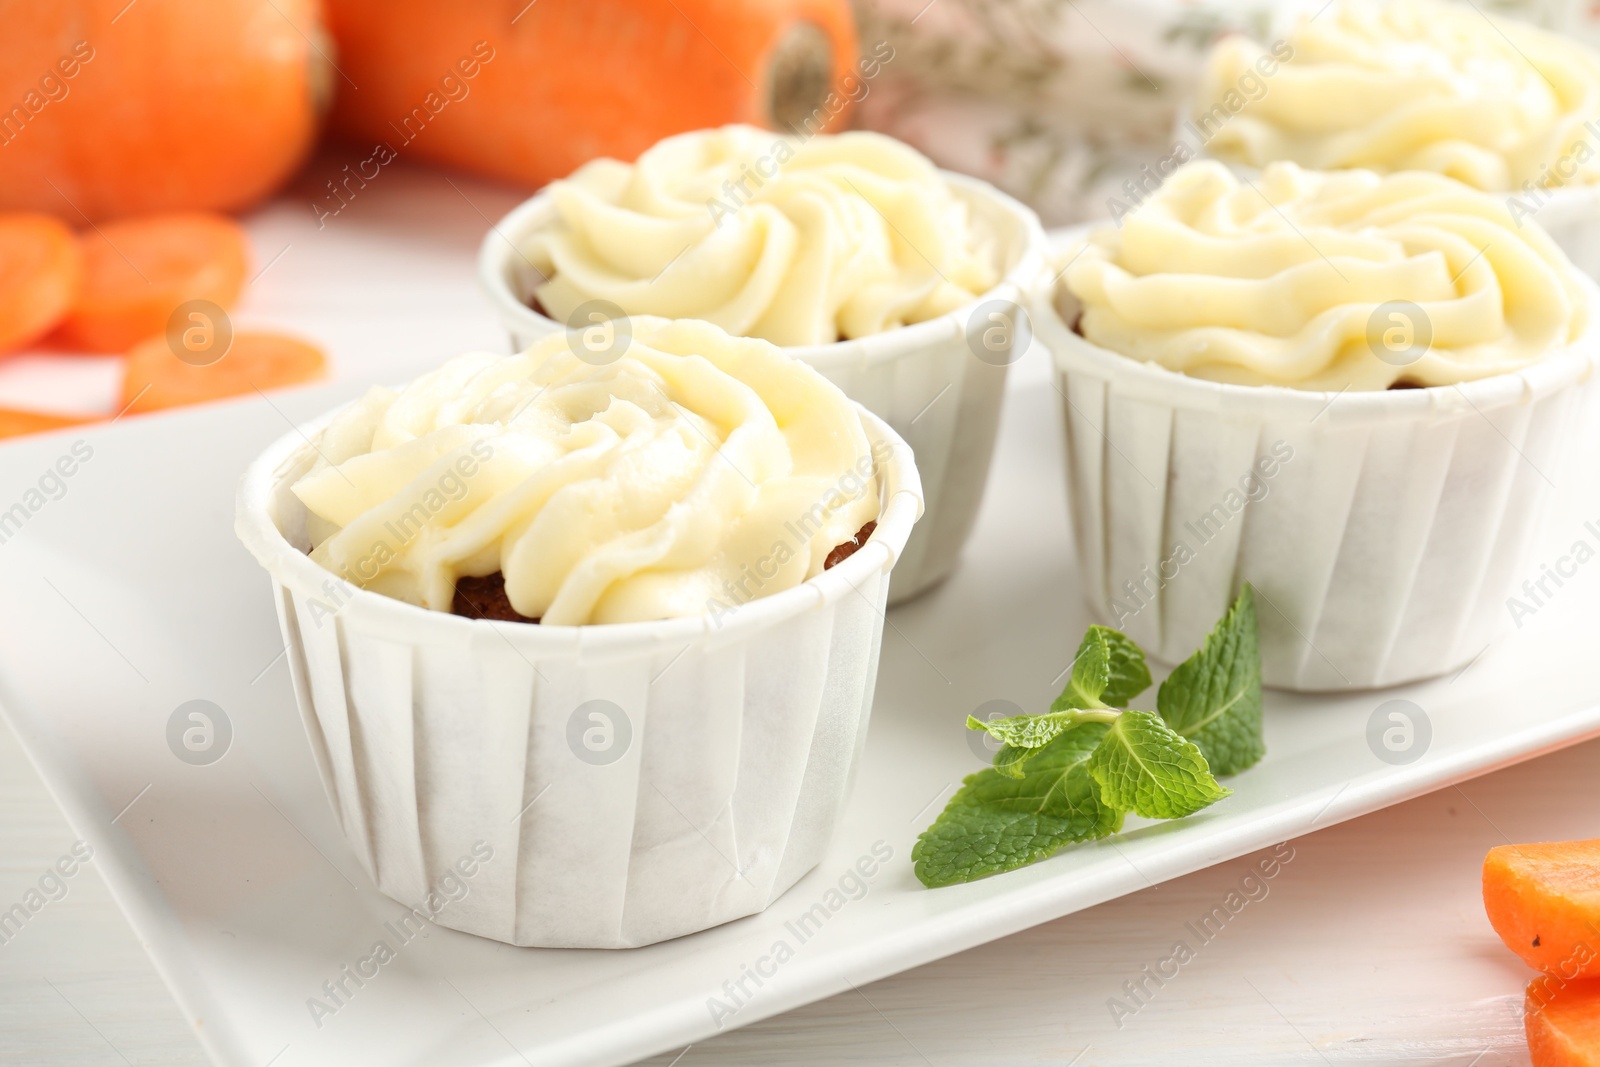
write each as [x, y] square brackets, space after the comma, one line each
[1023, 735]
[1011, 760]
[1214, 697]
[996, 823]
[1128, 676]
[1109, 670]
[1034, 731]
[1091, 673]
[1143, 766]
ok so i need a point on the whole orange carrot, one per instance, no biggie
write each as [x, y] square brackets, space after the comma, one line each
[529, 91]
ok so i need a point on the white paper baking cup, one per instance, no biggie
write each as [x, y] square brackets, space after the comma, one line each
[927, 381]
[1382, 552]
[730, 750]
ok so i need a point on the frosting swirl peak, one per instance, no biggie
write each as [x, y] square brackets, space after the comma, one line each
[693, 473]
[1296, 279]
[1410, 85]
[798, 241]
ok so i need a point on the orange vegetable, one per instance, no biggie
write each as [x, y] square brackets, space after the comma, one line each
[156, 378]
[1562, 1020]
[109, 108]
[137, 272]
[39, 270]
[14, 422]
[1544, 902]
[529, 91]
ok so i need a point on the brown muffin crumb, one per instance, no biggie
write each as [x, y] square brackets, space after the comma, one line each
[1406, 383]
[848, 549]
[485, 598]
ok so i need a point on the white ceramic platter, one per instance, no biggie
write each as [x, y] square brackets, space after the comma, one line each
[128, 596]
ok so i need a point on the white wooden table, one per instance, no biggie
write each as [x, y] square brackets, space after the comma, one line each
[1369, 947]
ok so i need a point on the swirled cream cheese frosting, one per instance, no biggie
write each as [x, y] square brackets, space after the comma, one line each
[694, 472]
[800, 241]
[1326, 280]
[1409, 85]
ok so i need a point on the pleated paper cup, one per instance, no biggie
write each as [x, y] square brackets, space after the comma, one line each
[1382, 531]
[606, 786]
[938, 383]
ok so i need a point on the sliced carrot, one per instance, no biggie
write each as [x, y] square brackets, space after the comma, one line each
[40, 268]
[1562, 1020]
[137, 272]
[1544, 902]
[14, 422]
[157, 379]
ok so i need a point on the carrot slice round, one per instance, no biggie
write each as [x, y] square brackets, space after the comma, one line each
[40, 269]
[156, 378]
[1544, 902]
[138, 271]
[14, 422]
[1562, 1020]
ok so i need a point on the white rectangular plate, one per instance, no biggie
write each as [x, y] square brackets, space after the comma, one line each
[129, 596]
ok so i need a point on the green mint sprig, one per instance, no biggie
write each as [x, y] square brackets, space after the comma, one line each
[1074, 772]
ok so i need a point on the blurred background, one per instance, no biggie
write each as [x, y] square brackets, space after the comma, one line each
[366, 146]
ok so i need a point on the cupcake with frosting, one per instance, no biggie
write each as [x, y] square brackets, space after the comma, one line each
[1497, 104]
[800, 242]
[650, 488]
[1345, 388]
[898, 282]
[648, 592]
[1283, 280]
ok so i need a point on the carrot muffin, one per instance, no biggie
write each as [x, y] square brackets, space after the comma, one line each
[672, 747]
[1235, 361]
[904, 285]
